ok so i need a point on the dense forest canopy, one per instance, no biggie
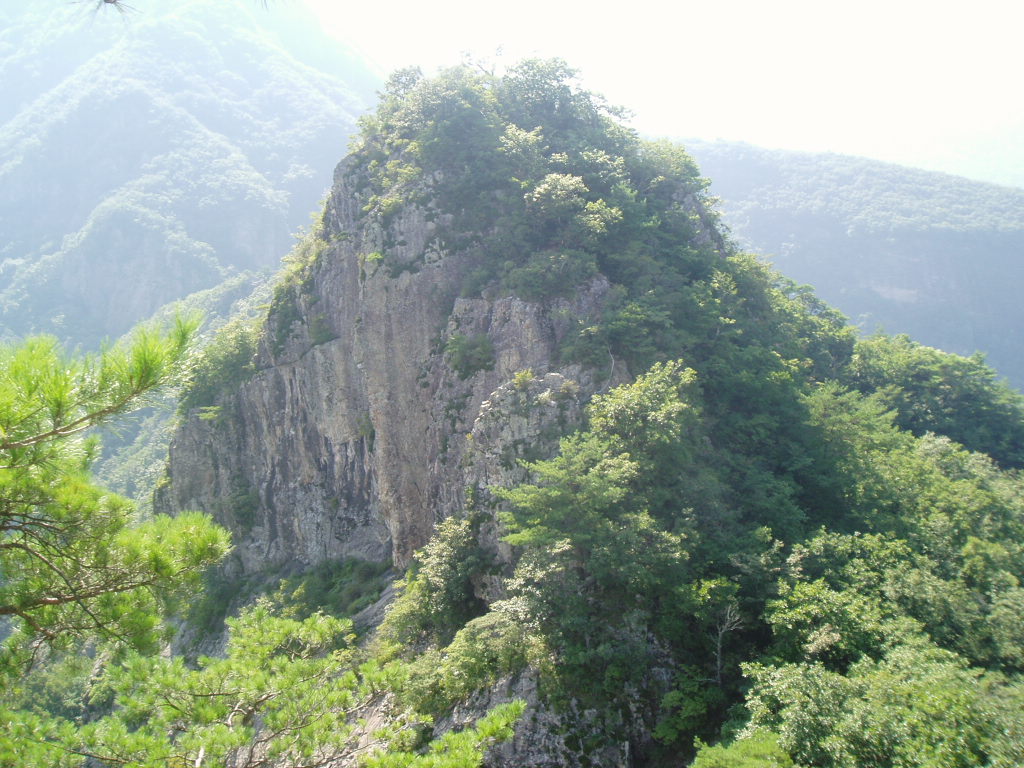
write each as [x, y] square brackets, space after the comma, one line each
[799, 547]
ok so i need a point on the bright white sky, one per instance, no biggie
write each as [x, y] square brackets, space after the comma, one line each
[934, 84]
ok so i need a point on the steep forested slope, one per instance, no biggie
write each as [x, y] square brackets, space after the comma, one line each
[663, 492]
[148, 155]
[931, 255]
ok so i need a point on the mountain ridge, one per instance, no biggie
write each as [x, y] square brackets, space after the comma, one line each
[166, 129]
[909, 251]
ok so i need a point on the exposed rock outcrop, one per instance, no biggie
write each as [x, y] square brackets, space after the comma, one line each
[351, 440]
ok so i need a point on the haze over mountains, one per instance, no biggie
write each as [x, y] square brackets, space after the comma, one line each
[935, 256]
[150, 155]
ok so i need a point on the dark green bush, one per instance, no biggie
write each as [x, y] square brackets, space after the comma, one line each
[337, 587]
[468, 355]
[548, 274]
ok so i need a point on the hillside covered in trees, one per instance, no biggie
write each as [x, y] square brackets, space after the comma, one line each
[148, 155]
[934, 256]
[655, 504]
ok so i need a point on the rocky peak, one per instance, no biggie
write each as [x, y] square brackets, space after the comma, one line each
[464, 294]
[352, 439]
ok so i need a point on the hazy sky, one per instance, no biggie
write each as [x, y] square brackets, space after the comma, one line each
[932, 84]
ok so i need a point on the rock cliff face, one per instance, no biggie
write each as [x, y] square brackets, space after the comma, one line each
[363, 427]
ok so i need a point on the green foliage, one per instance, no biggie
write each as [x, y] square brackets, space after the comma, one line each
[933, 391]
[462, 749]
[600, 530]
[226, 361]
[815, 622]
[576, 494]
[758, 750]
[292, 288]
[531, 187]
[73, 563]
[521, 379]
[468, 355]
[602, 559]
[487, 649]
[556, 200]
[276, 671]
[687, 707]
[917, 706]
[47, 395]
[284, 691]
[437, 596]
[61, 684]
[549, 274]
[952, 523]
[220, 595]
[337, 587]
[879, 623]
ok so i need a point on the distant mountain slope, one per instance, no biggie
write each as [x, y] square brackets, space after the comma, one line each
[150, 155]
[935, 256]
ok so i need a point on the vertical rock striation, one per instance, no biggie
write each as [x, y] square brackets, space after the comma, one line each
[351, 440]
